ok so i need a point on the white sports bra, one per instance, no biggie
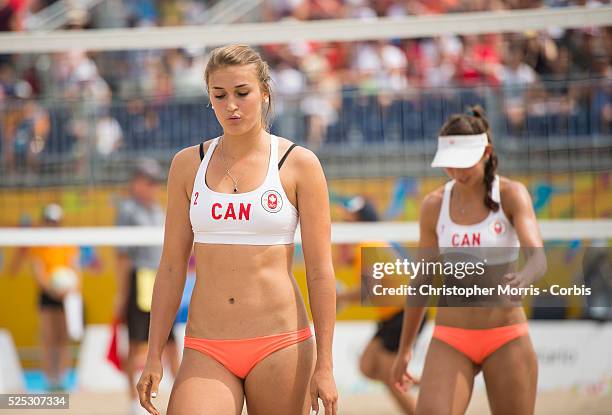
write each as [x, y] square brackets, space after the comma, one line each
[495, 236]
[263, 216]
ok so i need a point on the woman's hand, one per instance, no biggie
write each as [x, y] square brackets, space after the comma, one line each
[400, 378]
[323, 386]
[148, 385]
[515, 280]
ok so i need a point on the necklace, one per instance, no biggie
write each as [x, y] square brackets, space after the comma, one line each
[227, 170]
[460, 204]
[462, 208]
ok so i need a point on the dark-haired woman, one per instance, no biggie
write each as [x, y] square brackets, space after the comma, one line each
[479, 209]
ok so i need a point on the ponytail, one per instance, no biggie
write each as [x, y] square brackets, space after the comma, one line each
[489, 177]
[490, 169]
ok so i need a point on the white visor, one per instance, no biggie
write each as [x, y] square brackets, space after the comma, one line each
[459, 151]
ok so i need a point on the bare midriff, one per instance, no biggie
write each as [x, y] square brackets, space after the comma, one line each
[484, 317]
[479, 317]
[244, 291]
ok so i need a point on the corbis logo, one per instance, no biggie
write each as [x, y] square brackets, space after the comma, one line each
[272, 201]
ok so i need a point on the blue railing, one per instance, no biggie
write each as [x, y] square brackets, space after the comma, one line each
[48, 136]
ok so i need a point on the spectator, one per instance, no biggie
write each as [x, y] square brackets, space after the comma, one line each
[602, 98]
[516, 77]
[320, 104]
[56, 269]
[136, 270]
[479, 62]
[541, 52]
[109, 136]
[29, 136]
[290, 84]
[312, 75]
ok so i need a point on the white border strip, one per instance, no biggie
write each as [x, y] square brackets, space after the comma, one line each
[562, 230]
[292, 31]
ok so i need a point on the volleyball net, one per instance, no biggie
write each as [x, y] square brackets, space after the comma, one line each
[599, 230]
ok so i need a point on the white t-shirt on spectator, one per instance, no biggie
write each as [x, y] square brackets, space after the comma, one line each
[522, 75]
[289, 81]
[368, 58]
[515, 81]
[393, 57]
[108, 135]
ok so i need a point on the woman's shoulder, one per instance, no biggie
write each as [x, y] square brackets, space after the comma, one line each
[299, 156]
[186, 154]
[186, 161]
[509, 186]
[512, 190]
[433, 200]
[193, 152]
[430, 208]
[513, 194]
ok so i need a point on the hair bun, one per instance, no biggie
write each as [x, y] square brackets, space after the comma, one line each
[477, 111]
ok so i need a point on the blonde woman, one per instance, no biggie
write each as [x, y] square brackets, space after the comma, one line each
[239, 197]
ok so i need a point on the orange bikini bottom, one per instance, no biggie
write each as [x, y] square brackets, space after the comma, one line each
[239, 356]
[478, 344]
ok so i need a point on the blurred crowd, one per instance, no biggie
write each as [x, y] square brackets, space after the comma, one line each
[541, 83]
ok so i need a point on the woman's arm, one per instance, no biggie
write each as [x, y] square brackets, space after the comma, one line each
[428, 248]
[414, 312]
[315, 227]
[178, 242]
[21, 254]
[171, 274]
[519, 208]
